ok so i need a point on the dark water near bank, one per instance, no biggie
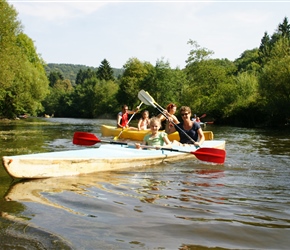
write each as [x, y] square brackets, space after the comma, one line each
[244, 204]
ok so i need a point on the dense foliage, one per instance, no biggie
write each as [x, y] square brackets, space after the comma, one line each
[253, 90]
[23, 82]
[70, 71]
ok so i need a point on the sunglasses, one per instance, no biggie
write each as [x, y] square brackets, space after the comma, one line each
[184, 114]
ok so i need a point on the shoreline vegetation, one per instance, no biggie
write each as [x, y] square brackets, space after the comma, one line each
[251, 91]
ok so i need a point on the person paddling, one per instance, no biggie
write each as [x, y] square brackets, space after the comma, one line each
[169, 112]
[189, 131]
[123, 117]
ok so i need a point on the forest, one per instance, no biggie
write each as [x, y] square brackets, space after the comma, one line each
[251, 91]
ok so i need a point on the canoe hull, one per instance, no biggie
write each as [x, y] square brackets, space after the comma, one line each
[85, 161]
[108, 131]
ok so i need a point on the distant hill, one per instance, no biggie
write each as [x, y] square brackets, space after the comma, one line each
[69, 71]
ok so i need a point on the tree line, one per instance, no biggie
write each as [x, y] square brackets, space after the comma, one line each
[69, 71]
[253, 90]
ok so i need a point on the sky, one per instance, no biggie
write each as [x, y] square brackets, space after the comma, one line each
[87, 32]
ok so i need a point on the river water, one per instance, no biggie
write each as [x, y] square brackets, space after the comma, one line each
[243, 204]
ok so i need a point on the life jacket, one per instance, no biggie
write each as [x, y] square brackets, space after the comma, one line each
[124, 119]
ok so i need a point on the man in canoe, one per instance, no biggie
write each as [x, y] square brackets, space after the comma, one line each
[189, 131]
[123, 117]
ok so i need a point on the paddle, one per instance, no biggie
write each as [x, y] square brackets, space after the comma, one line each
[145, 97]
[204, 154]
[117, 137]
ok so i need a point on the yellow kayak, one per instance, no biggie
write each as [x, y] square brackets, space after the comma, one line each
[138, 135]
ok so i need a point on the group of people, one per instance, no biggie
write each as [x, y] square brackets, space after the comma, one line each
[189, 130]
[196, 118]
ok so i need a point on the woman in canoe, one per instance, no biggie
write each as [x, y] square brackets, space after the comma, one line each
[189, 131]
[169, 112]
[144, 120]
[156, 138]
[123, 117]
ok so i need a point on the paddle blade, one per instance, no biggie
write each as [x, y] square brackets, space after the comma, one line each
[85, 139]
[146, 98]
[214, 155]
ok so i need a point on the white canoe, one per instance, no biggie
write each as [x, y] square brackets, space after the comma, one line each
[107, 157]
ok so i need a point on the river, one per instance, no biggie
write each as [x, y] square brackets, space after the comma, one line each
[243, 204]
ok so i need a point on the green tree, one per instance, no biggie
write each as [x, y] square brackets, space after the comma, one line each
[23, 82]
[165, 84]
[267, 43]
[197, 53]
[206, 81]
[284, 28]
[105, 98]
[93, 98]
[84, 75]
[53, 77]
[165, 89]
[274, 82]
[264, 49]
[248, 61]
[84, 99]
[135, 72]
[105, 72]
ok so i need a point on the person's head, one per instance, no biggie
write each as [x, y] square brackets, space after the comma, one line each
[171, 108]
[145, 114]
[185, 112]
[155, 124]
[124, 108]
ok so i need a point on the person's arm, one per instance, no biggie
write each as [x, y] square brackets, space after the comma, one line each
[119, 118]
[139, 146]
[130, 112]
[161, 117]
[201, 137]
[174, 119]
[139, 124]
[167, 142]
[148, 123]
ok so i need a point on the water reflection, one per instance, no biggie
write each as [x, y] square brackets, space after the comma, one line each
[185, 205]
[144, 185]
[41, 190]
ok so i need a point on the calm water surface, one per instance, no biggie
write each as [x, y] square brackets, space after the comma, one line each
[243, 204]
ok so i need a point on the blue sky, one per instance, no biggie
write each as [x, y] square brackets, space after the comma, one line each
[86, 32]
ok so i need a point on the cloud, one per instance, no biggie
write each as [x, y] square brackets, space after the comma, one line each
[86, 32]
[57, 12]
